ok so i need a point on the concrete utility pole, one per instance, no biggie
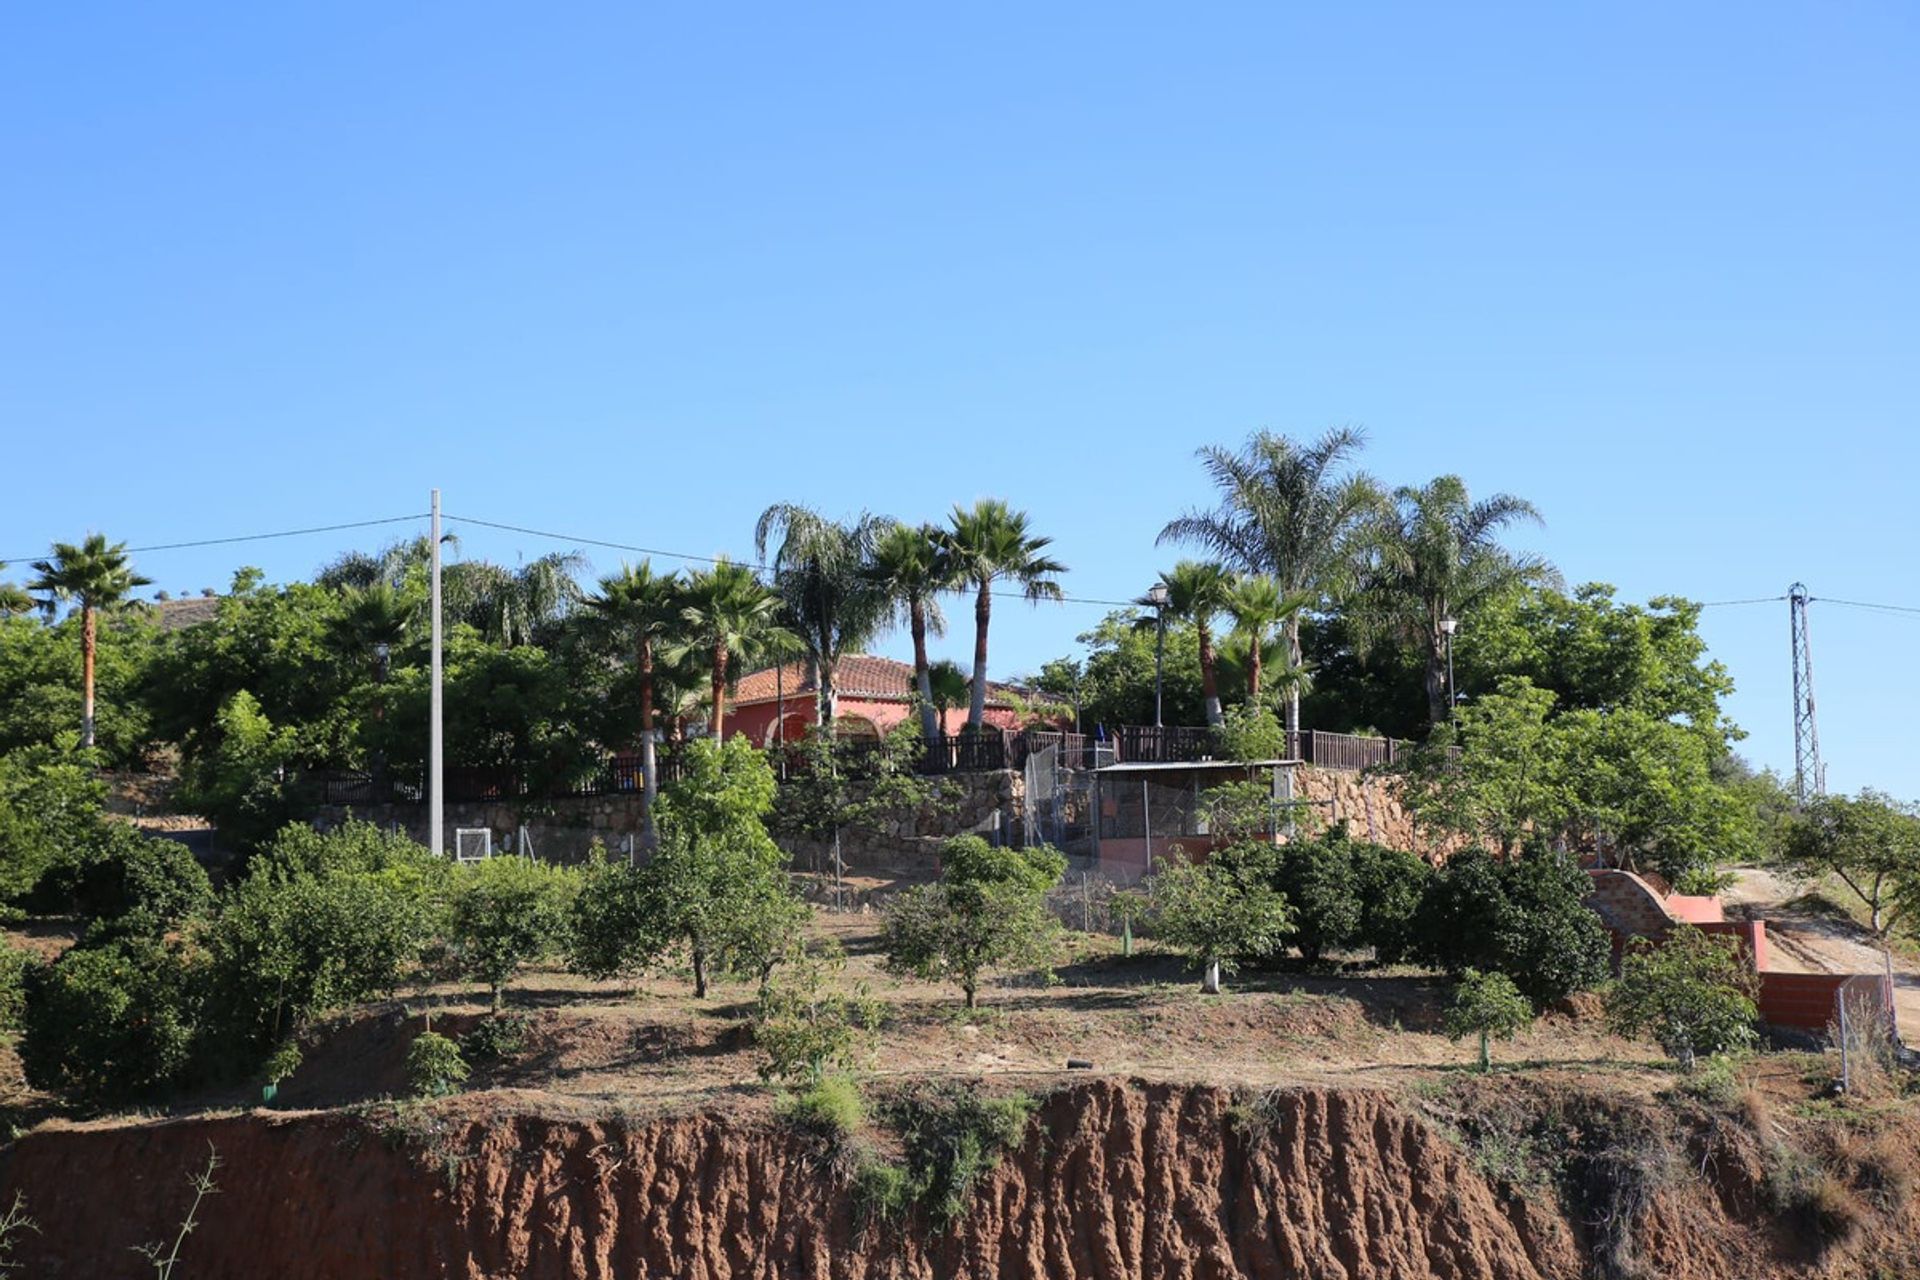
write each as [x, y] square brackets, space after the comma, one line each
[436, 747]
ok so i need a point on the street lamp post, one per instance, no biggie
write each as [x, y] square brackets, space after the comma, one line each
[1157, 597]
[1447, 627]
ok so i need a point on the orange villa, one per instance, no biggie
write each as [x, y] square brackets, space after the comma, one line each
[875, 694]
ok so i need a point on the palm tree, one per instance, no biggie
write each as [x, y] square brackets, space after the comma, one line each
[99, 576]
[513, 606]
[1290, 511]
[983, 544]
[13, 599]
[820, 573]
[1197, 592]
[644, 609]
[1434, 556]
[375, 619]
[947, 688]
[907, 564]
[1258, 606]
[729, 615]
[392, 564]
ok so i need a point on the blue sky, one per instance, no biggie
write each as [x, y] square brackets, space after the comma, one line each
[636, 271]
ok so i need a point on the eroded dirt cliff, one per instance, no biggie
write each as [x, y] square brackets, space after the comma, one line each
[1114, 1179]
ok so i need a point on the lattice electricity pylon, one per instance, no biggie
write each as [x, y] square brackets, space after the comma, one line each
[1809, 779]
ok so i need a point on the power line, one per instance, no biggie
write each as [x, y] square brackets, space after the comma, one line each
[1721, 604]
[254, 537]
[688, 555]
[1861, 604]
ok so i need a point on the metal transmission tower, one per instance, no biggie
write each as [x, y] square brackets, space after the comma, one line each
[1808, 777]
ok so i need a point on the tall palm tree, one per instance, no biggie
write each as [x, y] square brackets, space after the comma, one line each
[1197, 592]
[1258, 607]
[13, 599]
[644, 609]
[1292, 511]
[984, 544]
[820, 573]
[393, 564]
[1435, 555]
[97, 575]
[908, 565]
[730, 616]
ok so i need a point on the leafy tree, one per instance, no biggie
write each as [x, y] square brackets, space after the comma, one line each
[15, 964]
[1114, 685]
[508, 913]
[838, 783]
[13, 598]
[908, 567]
[513, 607]
[1596, 654]
[239, 778]
[1251, 732]
[730, 616]
[50, 801]
[96, 575]
[948, 686]
[41, 693]
[983, 544]
[1692, 994]
[1869, 842]
[1216, 914]
[374, 621]
[1505, 780]
[822, 572]
[124, 872]
[988, 911]
[1487, 1005]
[1524, 917]
[716, 889]
[113, 1023]
[1434, 555]
[1291, 511]
[643, 608]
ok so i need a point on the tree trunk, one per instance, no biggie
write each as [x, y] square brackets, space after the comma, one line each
[1295, 657]
[982, 616]
[719, 690]
[499, 995]
[89, 638]
[1254, 646]
[973, 994]
[1210, 979]
[930, 726]
[829, 693]
[699, 974]
[1209, 683]
[1437, 709]
[1486, 1053]
[649, 762]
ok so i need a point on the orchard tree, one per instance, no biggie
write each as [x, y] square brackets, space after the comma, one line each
[1487, 1005]
[1869, 842]
[1691, 994]
[1215, 914]
[509, 912]
[987, 911]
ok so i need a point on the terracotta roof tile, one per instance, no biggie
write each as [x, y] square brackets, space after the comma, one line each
[859, 676]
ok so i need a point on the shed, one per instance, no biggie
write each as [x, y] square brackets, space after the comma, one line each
[1149, 809]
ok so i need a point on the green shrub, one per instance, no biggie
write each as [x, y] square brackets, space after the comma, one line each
[282, 1062]
[14, 966]
[1251, 732]
[1320, 881]
[988, 911]
[882, 1192]
[496, 1037]
[1391, 883]
[805, 1025]
[124, 872]
[112, 1024]
[434, 1066]
[830, 1108]
[953, 1134]
[50, 800]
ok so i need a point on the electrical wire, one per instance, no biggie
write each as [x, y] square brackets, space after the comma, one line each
[255, 537]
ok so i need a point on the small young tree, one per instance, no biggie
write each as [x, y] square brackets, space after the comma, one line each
[806, 1024]
[1692, 994]
[507, 913]
[988, 911]
[1487, 1005]
[1390, 883]
[1319, 880]
[1215, 915]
